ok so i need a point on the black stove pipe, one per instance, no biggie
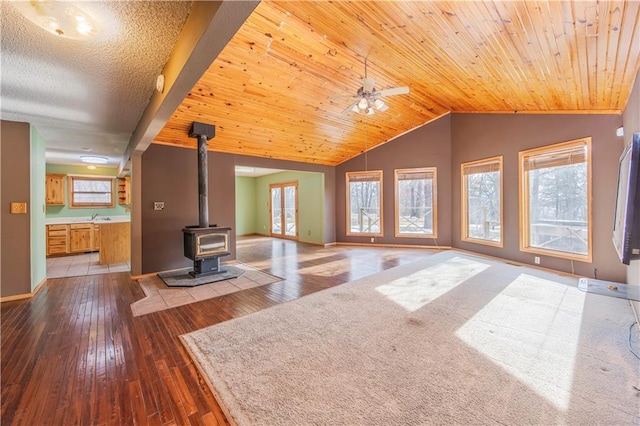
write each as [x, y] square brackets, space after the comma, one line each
[203, 132]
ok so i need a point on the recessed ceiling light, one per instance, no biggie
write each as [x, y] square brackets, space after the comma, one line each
[93, 159]
[60, 18]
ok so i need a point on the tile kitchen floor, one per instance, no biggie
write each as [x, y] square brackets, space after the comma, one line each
[81, 264]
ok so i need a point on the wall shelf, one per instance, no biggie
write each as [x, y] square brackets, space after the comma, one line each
[124, 191]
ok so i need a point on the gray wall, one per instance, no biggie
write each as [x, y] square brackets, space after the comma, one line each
[631, 114]
[170, 174]
[477, 136]
[15, 178]
[631, 122]
[427, 146]
[458, 138]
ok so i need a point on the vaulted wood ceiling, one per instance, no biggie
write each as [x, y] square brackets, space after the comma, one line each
[268, 92]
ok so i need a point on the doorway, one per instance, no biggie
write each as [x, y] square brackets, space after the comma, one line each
[283, 210]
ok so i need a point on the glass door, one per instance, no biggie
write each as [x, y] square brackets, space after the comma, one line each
[284, 210]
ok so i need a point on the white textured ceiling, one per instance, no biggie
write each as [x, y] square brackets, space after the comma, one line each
[86, 96]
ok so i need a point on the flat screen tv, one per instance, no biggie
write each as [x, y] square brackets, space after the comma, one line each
[626, 226]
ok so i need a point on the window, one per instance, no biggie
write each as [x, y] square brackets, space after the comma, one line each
[482, 201]
[416, 202]
[364, 203]
[555, 200]
[86, 191]
[284, 209]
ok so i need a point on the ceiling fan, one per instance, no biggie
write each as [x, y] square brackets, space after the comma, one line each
[368, 98]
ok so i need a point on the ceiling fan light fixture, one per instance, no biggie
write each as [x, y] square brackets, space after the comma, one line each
[59, 18]
[355, 108]
[378, 104]
[369, 111]
[93, 159]
[363, 103]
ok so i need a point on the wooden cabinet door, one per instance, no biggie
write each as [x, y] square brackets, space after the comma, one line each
[80, 238]
[57, 239]
[54, 189]
[96, 237]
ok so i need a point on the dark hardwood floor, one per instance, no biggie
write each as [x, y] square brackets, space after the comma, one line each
[74, 354]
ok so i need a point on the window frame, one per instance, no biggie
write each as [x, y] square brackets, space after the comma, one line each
[348, 204]
[75, 205]
[282, 186]
[434, 201]
[464, 206]
[523, 199]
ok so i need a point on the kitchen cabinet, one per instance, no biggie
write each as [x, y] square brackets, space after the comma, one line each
[57, 239]
[80, 237]
[124, 191]
[83, 237]
[96, 237]
[54, 187]
[115, 243]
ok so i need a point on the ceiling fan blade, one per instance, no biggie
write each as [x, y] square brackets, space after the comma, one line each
[342, 96]
[350, 107]
[393, 91]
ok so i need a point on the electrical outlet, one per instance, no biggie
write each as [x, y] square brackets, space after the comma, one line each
[309, 232]
[536, 260]
[373, 240]
[18, 208]
[158, 205]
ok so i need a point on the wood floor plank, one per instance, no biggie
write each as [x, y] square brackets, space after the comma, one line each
[139, 412]
[75, 354]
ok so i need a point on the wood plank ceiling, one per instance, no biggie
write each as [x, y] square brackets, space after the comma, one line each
[268, 92]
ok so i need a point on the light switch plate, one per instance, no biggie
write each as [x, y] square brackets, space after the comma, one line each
[158, 205]
[18, 208]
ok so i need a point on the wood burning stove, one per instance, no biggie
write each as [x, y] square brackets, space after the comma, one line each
[204, 243]
[205, 246]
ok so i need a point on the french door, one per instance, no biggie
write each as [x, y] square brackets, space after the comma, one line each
[284, 210]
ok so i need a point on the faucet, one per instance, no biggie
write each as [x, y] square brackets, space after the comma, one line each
[93, 216]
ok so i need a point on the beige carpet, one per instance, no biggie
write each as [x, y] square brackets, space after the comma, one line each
[452, 339]
[159, 297]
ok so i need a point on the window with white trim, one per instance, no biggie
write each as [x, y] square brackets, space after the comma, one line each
[415, 203]
[555, 200]
[482, 201]
[88, 191]
[364, 203]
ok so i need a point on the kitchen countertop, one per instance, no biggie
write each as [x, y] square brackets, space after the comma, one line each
[98, 220]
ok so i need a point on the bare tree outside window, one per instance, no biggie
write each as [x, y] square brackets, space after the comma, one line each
[415, 202]
[364, 207]
[482, 201]
[555, 185]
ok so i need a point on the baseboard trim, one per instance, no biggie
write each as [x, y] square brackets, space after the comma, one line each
[315, 243]
[16, 297]
[392, 245]
[24, 295]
